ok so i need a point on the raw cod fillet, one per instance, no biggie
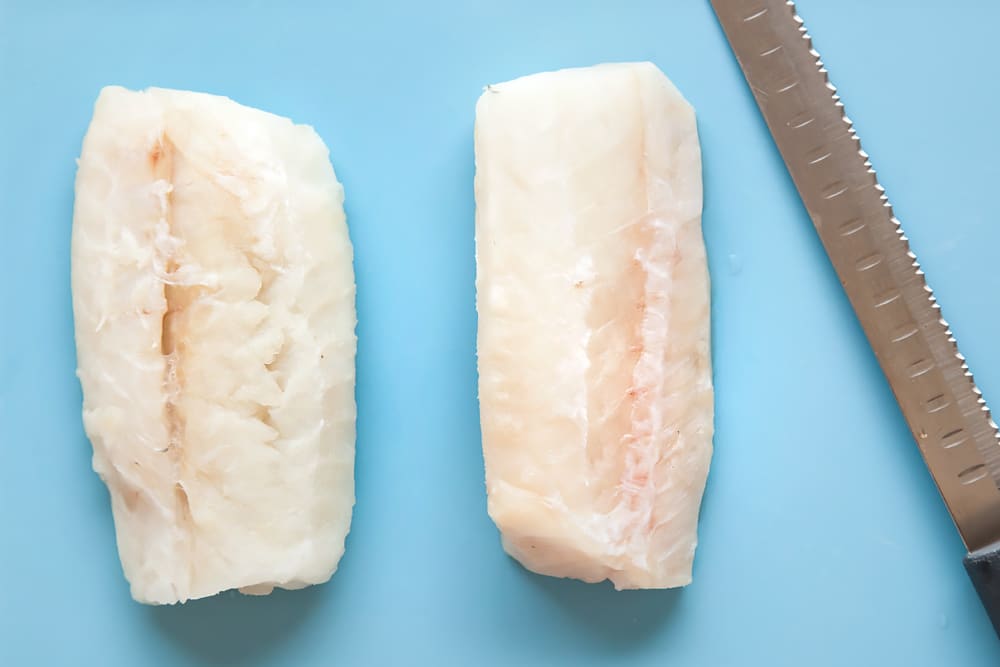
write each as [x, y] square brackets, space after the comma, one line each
[593, 296]
[213, 294]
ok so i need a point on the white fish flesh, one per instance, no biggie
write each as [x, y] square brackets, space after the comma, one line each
[595, 375]
[213, 294]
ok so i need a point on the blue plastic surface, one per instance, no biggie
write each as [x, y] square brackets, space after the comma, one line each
[823, 541]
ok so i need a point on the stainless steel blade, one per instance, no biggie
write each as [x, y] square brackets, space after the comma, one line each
[918, 354]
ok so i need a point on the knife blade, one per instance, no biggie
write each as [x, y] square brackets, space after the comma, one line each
[946, 412]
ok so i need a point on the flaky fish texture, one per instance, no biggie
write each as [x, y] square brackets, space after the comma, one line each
[595, 378]
[213, 294]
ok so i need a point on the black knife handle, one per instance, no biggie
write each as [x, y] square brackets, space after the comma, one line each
[983, 567]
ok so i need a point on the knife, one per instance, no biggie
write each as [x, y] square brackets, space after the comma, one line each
[902, 320]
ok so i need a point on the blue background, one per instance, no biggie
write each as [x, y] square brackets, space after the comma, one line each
[823, 541]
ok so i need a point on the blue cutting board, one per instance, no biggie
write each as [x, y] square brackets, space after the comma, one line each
[823, 541]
